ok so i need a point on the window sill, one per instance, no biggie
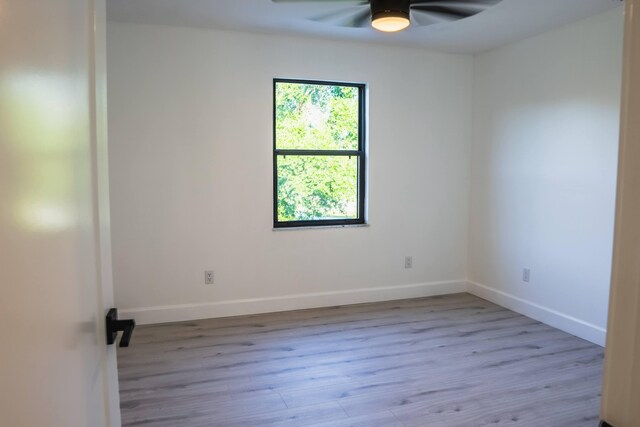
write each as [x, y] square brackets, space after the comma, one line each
[319, 227]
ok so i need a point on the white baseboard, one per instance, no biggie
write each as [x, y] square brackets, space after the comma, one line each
[577, 327]
[185, 312]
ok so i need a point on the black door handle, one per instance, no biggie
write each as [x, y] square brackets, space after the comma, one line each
[114, 326]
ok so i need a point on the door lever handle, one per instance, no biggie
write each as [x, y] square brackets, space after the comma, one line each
[114, 326]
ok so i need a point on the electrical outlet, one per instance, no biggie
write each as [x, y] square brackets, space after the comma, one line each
[408, 262]
[208, 277]
[526, 275]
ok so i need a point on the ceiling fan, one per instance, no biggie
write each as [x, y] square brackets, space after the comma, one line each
[396, 15]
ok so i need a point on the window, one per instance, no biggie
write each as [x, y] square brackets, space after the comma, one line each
[318, 153]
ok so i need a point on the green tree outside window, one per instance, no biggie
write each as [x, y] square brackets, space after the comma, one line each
[318, 153]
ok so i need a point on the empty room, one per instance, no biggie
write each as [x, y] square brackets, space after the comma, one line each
[320, 213]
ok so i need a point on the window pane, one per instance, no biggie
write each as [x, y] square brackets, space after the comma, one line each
[316, 117]
[317, 187]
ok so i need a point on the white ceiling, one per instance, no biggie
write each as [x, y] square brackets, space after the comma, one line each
[508, 21]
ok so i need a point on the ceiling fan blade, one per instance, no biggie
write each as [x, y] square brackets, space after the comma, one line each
[452, 7]
[423, 19]
[437, 11]
[358, 20]
[483, 4]
[336, 15]
[322, 1]
[471, 8]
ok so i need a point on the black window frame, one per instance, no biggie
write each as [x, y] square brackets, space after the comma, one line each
[360, 153]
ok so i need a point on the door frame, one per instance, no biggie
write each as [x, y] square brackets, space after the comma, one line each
[621, 382]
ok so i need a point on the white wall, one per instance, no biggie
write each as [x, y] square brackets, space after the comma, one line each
[190, 123]
[546, 121]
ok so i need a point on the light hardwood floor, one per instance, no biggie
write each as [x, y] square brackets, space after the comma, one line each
[454, 360]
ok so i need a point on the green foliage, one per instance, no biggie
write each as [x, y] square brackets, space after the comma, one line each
[317, 117]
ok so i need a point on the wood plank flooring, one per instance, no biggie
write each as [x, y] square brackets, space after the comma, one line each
[454, 360]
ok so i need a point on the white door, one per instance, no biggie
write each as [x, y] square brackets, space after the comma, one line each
[55, 261]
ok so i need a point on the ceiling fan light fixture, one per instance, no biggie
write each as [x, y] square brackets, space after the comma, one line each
[390, 22]
[390, 15]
